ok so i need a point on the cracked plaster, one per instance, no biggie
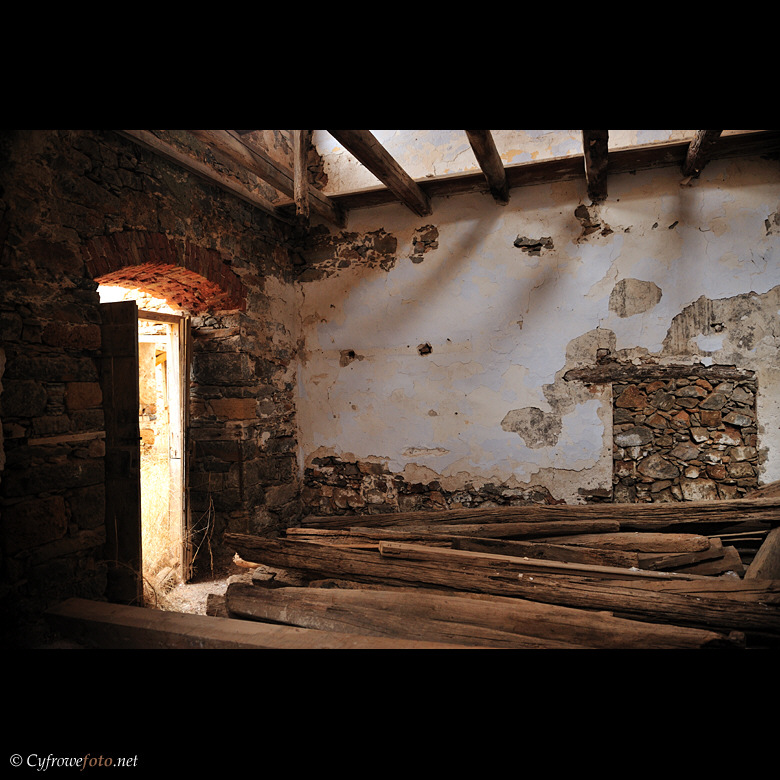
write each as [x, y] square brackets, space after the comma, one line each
[503, 326]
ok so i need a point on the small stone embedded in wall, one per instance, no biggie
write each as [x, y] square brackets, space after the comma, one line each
[684, 438]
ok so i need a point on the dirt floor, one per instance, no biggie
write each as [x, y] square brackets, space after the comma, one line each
[192, 597]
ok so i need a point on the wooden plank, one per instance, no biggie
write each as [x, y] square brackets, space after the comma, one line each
[520, 565]
[484, 147]
[766, 564]
[100, 625]
[488, 622]
[547, 551]
[368, 151]
[119, 385]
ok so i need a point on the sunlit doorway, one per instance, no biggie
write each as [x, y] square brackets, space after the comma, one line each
[162, 418]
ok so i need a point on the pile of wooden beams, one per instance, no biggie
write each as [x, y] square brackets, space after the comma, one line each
[601, 576]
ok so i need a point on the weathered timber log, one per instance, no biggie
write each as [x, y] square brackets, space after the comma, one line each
[368, 536]
[730, 561]
[491, 622]
[216, 606]
[771, 490]
[766, 563]
[390, 614]
[452, 569]
[523, 565]
[759, 591]
[101, 625]
[684, 516]
[548, 552]
[523, 530]
[676, 560]
[637, 541]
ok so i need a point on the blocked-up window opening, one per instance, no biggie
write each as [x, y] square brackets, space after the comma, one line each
[684, 438]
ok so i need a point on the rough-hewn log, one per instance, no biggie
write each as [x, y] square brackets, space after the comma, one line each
[700, 517]
[700, 151]
[424, 616]
[257, 162]
[99, 625]
[605, 373]
[547, 551]
[488, 622]
[376, 159]
[628, 600]
[677, 560]
[484, 147]
[639, 542]
[520, 566]
[595, 153]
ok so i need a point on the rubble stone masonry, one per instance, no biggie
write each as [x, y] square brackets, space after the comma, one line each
[685, 438]
[75, 205]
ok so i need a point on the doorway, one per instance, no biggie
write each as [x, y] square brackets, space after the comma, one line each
[162, 378]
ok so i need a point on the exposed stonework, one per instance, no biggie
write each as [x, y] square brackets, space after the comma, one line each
[684, 438]
[80, 205]
[326, 254]
[535, 427]
[425, 239]
[333, 486]
[533, 246]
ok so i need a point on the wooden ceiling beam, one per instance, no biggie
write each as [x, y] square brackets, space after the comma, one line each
[484, 147]
[264, 167]
[368, 151]
[700, 151]
[596, 155]
[301, 139]
[148, 140]
[754, 143]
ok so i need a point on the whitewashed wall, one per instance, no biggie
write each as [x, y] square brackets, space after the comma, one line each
[488, 403]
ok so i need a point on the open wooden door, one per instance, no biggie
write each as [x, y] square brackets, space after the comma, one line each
[176, 354]
[119, 380]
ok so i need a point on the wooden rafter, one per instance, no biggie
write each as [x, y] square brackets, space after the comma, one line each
[301, 180]
[257, 162]
[368, 151]
[699, 151]
[484, 148]
[594, 148]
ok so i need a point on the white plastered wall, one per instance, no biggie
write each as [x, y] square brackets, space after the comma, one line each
[505, 324]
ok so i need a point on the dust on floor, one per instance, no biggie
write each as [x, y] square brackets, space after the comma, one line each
[192, 597]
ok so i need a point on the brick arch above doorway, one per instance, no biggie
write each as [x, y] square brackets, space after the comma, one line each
[194, 278]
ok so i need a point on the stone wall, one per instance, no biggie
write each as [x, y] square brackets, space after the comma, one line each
[685, 437]
[69, 201]
[334, 486]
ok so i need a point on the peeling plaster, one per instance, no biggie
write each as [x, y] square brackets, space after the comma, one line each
[696, 270]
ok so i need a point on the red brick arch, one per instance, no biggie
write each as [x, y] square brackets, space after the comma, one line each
[191, 277]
